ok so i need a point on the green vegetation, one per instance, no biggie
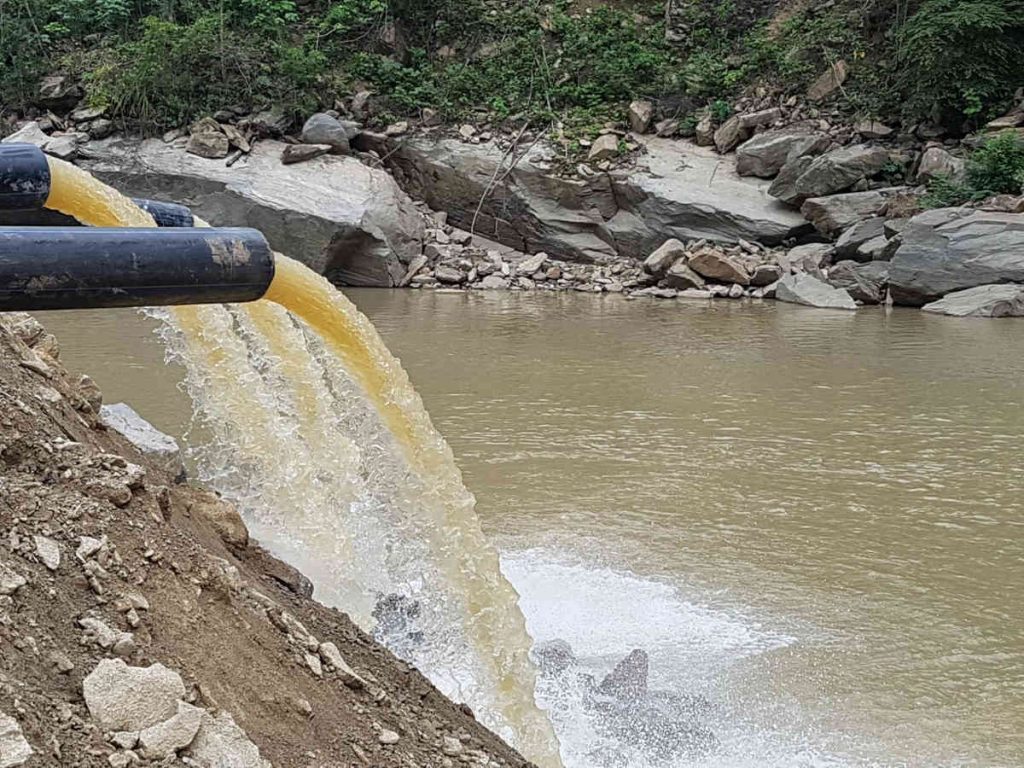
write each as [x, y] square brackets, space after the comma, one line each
[995, 168]
[163, 62]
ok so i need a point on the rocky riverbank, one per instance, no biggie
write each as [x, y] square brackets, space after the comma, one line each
[139, 624]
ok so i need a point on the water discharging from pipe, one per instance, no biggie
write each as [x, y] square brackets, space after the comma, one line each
[321, 438]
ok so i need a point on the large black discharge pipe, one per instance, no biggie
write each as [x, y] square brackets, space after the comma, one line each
[90, 268]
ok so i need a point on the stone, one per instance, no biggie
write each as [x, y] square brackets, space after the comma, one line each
[865, 283]
[125, 739]
[694, 293]
[10, 580]
[314, 664]
[397, 129]
[831, 215]
[360, 103]
[48, 552]
[860, 233]
[165, 739]
[101, 128]
[828, 82]
[765, 274]
[876, 249]
[58, 93]
[1011, 120]
[332, 657]
[830, 173]
[494, 283]
[805, 258]
[641, 112]
[449, 275]
[681, 277]
[766, 154]
[85, 114]
[605, 147]
[98, 632]
[531, 264]
[160, 448]
[29, 133]
[208, 144]
[270, 123]
[952, 249]
[223, 517]
[1004, 300]
[418, 263]
[388, 736]
[873, 129]
[63, 664]
[668, 128]
[88, 546]
[716, 265]
[124, 698]
[451, 746]
[338, 216]
[467, 131]
[324, 129]
[936, 161]
[14, 747]
[301, 153]
[812, 292]
[704, 132]
[64, 147]
[729, 134]
[667, 254]
[236, 138]
[220, 743]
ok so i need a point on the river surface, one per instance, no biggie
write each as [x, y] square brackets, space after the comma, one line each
[813, 519]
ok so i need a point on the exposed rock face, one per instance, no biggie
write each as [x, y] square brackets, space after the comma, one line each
[951, 249]
[831, 215]
[338, 216]
[766, 154]
[812, 292]
[678, 190]
[123, 698]
[162, 449]
[1005, 300]
[828, 174]
[865, 283]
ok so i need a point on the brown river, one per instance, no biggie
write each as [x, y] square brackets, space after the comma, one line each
[813, 519]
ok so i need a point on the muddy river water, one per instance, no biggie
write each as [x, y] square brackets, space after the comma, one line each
[814, 519]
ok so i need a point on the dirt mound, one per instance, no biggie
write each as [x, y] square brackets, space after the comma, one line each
[102, 557]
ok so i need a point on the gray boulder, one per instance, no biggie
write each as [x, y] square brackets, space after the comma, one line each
[766, 154]
[878, 248]
[681, 277]
[338, 216]
[865, 283]
[162, 449]
[208, 144]
[812, 292]
[937, 161]
[860, 233]
[1005, 300]
[806, 258]
[123, 698]
[765, 274]
[951, 249]
[830, 173]
[164, 739]
[716, 265]
[321, 128]
[831, 215]
[667, 254]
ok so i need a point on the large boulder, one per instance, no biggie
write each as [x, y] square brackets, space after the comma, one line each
[865, 283]
[321, 128]
[766, 154]
[831, 215]
[951, 249]
[860, 233]
[338, 216]
[812, 292]
[937, 161]
[123, 698]
[715, 265]
[1006, 300]
[828, 174]
[677, 190]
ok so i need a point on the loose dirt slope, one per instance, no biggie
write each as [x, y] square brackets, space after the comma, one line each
[171, 566]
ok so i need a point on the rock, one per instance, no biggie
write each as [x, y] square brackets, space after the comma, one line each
[223, 517]
[123, 698]
[1005, 300]
[332, 657]
[830, 173]
[14, 748]
[876, 249]
[872, 129]
[828, 82]
[48, 552]
[604, 147]
[449, 275]
[833, 214]
[10, 580]
[360, 103]
[300, 153]
[715, 265]
[704, 132]
[860, 233]
[765, 274]
[668, 128]
[681, 277]
[98, 633]
[936, 161]
[397, 129]
[805, 258]
[658, 293]
[951, 249]
[494, 283]
[676, 190]
[166, 738]
[208, 144]
[641, 112]
[314, 664]
[29, 133]
[63, 664]
[812, 292]
[693, 293]
[85, 114]
[1012, 120]
[162, 449]
[338, 216]
[865, 283]
[729, 134]
[451, 746]
[388, 736]
[467, 132]
[101, 128]
[220, 743]
[324, 129]
[531, 264]
[236, 138]
[418, 263]
[270, 123]
[667, 254]
[58, 93]
[766, 154]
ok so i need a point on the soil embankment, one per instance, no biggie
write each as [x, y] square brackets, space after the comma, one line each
[104, 560]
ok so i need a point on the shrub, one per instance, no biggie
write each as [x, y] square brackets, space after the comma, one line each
[997, 166]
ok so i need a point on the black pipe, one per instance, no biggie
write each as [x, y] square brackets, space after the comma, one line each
[92, 268]
[24, 177]
[166, 214]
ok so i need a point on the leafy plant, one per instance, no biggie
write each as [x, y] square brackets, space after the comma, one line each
[997, 166]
